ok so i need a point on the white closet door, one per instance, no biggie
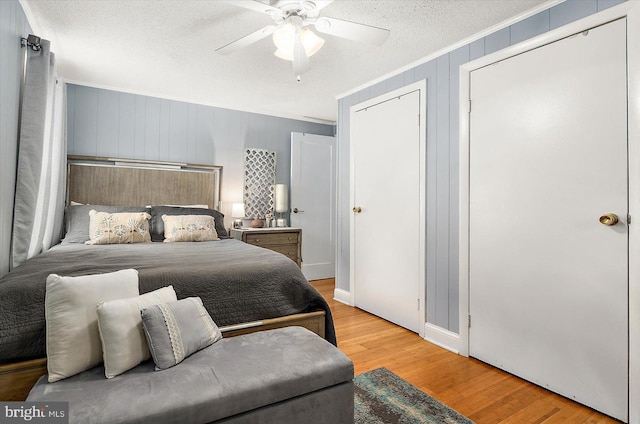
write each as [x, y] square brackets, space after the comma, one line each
[548, 158]
[386, 188]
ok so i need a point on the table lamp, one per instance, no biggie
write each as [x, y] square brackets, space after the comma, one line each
[282, 204]
[237, 212]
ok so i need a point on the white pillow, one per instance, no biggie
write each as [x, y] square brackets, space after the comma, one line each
[73, 338]
[124, 344]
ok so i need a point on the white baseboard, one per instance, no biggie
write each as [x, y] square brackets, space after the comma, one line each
[441, 337]
[342, 296]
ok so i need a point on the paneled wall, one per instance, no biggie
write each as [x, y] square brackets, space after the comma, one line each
[121, 125]
[13, 26]
[442, 153]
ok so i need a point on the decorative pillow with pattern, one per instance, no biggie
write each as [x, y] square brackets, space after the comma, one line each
[189, 228]
[176, 330]
[157, 225]
[77, 220]
[118, 228]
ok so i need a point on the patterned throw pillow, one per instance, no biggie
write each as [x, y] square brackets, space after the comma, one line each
[176, 330]
[77, 220]
[118, 228]
[157, 225]
[189, 228]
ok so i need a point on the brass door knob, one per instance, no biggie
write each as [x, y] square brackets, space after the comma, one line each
[357, 209]
[609, 219]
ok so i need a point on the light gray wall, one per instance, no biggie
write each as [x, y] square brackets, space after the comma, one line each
[121, 125]
[13, 26]
[442, 153]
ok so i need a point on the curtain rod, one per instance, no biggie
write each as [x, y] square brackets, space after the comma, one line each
[32, 41]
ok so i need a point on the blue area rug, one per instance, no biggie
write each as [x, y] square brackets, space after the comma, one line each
[383, 397]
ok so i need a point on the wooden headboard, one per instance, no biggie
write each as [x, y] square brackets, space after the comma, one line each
[124, 182]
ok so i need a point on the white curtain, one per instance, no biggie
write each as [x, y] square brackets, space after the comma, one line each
[40, 180]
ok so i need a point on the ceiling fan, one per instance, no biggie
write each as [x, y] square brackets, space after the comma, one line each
[291, 34]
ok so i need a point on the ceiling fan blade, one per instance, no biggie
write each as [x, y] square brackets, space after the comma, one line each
[300, 59]
[256, 6]
[353, 31]
[321, 4]
[246, 40]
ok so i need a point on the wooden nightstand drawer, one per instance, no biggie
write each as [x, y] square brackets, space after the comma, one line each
[272, 239]
[290, 250]
[287, 241]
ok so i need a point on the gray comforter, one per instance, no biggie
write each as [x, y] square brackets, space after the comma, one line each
[236, 281]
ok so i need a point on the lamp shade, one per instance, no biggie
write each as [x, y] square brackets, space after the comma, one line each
[282, 198]
[237, 210]
[285, 39]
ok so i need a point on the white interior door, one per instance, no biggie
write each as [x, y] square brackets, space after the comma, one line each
[387, 252]
[548, 283]
[313, 201]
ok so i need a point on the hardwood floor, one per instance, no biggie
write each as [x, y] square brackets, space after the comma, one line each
[479, 391]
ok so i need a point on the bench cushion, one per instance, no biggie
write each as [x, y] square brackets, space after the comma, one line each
[230, 377]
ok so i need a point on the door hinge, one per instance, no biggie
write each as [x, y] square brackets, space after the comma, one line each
[628, 219]
[469, 108]
[469, 321]
[418, 304]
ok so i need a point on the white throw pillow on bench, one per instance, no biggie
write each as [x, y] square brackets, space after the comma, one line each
[123, 341]
[73, 337]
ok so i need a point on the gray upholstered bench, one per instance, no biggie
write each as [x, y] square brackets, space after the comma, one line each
[287, 375]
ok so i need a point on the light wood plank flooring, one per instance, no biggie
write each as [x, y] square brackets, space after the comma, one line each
[479, 391]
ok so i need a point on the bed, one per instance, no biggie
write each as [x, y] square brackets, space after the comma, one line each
[244, 288]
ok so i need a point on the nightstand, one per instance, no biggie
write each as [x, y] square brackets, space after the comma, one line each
[285, 240]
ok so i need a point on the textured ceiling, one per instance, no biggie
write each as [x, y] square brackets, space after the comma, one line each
[165, 48]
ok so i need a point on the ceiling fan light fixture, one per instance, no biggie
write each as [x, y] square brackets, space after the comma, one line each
[284, 54]
[311, 42]
[284, 38]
